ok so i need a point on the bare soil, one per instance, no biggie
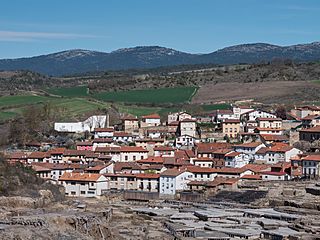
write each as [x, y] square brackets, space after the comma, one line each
[266, 92]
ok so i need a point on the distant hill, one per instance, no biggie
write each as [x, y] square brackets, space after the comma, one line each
[80, 61]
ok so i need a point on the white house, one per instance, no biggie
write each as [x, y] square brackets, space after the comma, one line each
[274, 131]
[278, 152]
[248, 148]
[83, 184]
[188, 127]
[113, 152]
[236, 159]
[148, 182]
[173, 180]
[163, 151]
[96, 121]
[103, 132]
[101, 169]
[275, 176]
[269, 122]
[202, 173]
[122, 137]
[184, 141]
[221, 115]
[178, 116]
[254, 114]
[203, 162]
[151, 120]
[310, 164]
[238, 111]
[129, 154]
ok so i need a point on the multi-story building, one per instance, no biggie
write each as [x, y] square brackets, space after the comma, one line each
[231, 127]
[151, 120]
[269, 122]
[173, 180]
[310, 134]
[83, 184]
[148, 182]
[188, 127]
[130, 124]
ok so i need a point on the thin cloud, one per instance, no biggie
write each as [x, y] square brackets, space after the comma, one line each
[34, 36]
[301, 8]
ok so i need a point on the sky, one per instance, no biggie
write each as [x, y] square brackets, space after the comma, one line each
[36, 27]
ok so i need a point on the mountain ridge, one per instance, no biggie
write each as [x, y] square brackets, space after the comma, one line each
[77, 61]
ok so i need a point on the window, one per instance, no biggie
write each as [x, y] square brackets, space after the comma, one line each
[83, 192]
[134, 158]
[126, 158]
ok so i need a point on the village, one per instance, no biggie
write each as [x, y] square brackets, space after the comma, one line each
[151, 156]
[188, 160]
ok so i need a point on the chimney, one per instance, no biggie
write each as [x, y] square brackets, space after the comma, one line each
[108, 120]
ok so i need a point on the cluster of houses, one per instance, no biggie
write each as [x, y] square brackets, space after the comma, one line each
[151, 156]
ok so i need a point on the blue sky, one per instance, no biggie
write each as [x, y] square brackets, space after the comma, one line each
[34, 27]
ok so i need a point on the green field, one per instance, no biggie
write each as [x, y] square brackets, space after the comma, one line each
[162, 95]
[8, 101]
[66, 109]
[213, 107]
[80, 91]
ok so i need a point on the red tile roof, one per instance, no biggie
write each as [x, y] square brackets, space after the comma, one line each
[81, 177]
[273, 137]
[197, 169]
[152, 160]
[107, 149]
[120, 166]
[188, 120]
[269, 119]
[315, 157]
[122, 134]
[148, 176]
[231, 121]
[151, 116]
[251, 177]
[163, 148]
[313, 129]
[172, 172]
[310, 117]
[274, 173]
[249, 145]
[256, 168]
[102, 140]
[103, 129]
[86, 143]
[18, 155]
[36, 155]
[132, 149]
[211, 147]
[279, 147]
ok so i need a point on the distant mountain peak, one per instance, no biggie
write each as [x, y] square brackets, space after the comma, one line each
[77, 61]
[250, 47]
[73, 53]
[148, 49]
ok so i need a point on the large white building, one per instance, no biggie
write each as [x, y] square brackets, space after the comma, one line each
[96, 121]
